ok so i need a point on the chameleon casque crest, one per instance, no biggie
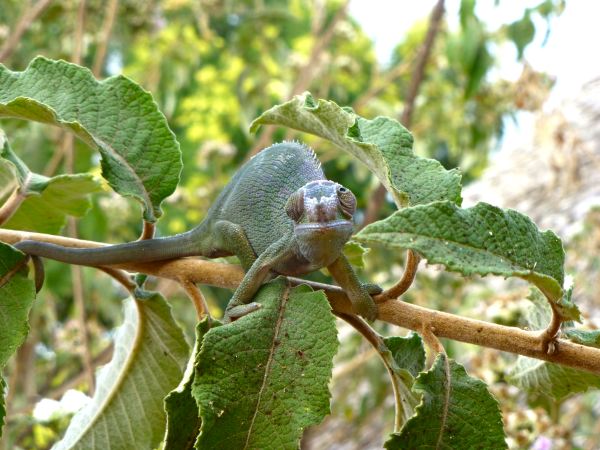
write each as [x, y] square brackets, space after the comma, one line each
[278, 215]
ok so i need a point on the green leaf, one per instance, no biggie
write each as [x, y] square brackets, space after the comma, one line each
[535, 376]
[480, 240]
[521, 32]
[16, 297]
[47, 213]
[140, 155]
[456, 411]
[404, 358]
[355, 253]
[408, 352]
[127, 408]
[47, 200]
[590, 338]
[382, 144]
[183, 417]
[263, 378]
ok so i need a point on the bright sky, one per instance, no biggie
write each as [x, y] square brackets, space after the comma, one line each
[570, 55]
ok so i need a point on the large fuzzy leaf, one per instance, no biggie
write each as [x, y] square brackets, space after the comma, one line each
[16, 297]
[480, 240]
[383, 144]
[456, 411]
[262, 379]
[140, 155]
[127, 408]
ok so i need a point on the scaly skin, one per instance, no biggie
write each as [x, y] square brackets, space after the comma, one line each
[278, 214]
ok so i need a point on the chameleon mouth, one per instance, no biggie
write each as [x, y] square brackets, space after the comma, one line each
[334, 225]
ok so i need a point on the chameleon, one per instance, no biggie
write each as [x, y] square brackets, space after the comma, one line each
[279, 215]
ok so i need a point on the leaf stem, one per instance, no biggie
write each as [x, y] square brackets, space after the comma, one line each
[410, 271]
[11, 205]
[195, 295]
[386, 357]
[148, 230]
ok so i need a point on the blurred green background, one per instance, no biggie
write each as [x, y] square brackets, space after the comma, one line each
[212, 67]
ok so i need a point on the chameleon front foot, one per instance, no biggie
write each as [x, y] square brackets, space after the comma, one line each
[372, 288]
[234, 313]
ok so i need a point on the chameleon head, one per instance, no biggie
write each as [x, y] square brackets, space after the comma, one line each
[322, 214]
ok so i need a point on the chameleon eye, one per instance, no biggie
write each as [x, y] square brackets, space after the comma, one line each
[347, 201]
[294, 207]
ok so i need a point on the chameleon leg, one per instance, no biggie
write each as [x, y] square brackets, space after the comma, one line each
[232, 238]
[240, 305]
[343, 273]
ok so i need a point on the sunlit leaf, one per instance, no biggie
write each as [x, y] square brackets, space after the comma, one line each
[47, 201]
[47, 212]
[262, 379]
[127, 408]
[140, 155]
[382, 144]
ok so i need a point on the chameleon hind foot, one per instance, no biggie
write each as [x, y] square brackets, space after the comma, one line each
[234, 313]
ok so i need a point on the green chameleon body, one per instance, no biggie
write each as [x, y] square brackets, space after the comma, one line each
[278, 214]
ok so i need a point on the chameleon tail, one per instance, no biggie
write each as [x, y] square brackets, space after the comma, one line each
[184, 244]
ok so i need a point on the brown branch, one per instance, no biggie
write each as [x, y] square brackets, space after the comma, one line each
[107, 26]
[27, 18]
[418, 75]
[402, 314]
[307, 73]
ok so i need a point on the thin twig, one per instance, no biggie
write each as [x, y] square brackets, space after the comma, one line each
[27, 18]
[76, 271]
[11, 205]
[121, 276]
[548, 335]
[195, 295]
[410, 271]
[402, 314]
[403, 407]
[386, 79]
[417, 78]
[107, 26]
[428, 334]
